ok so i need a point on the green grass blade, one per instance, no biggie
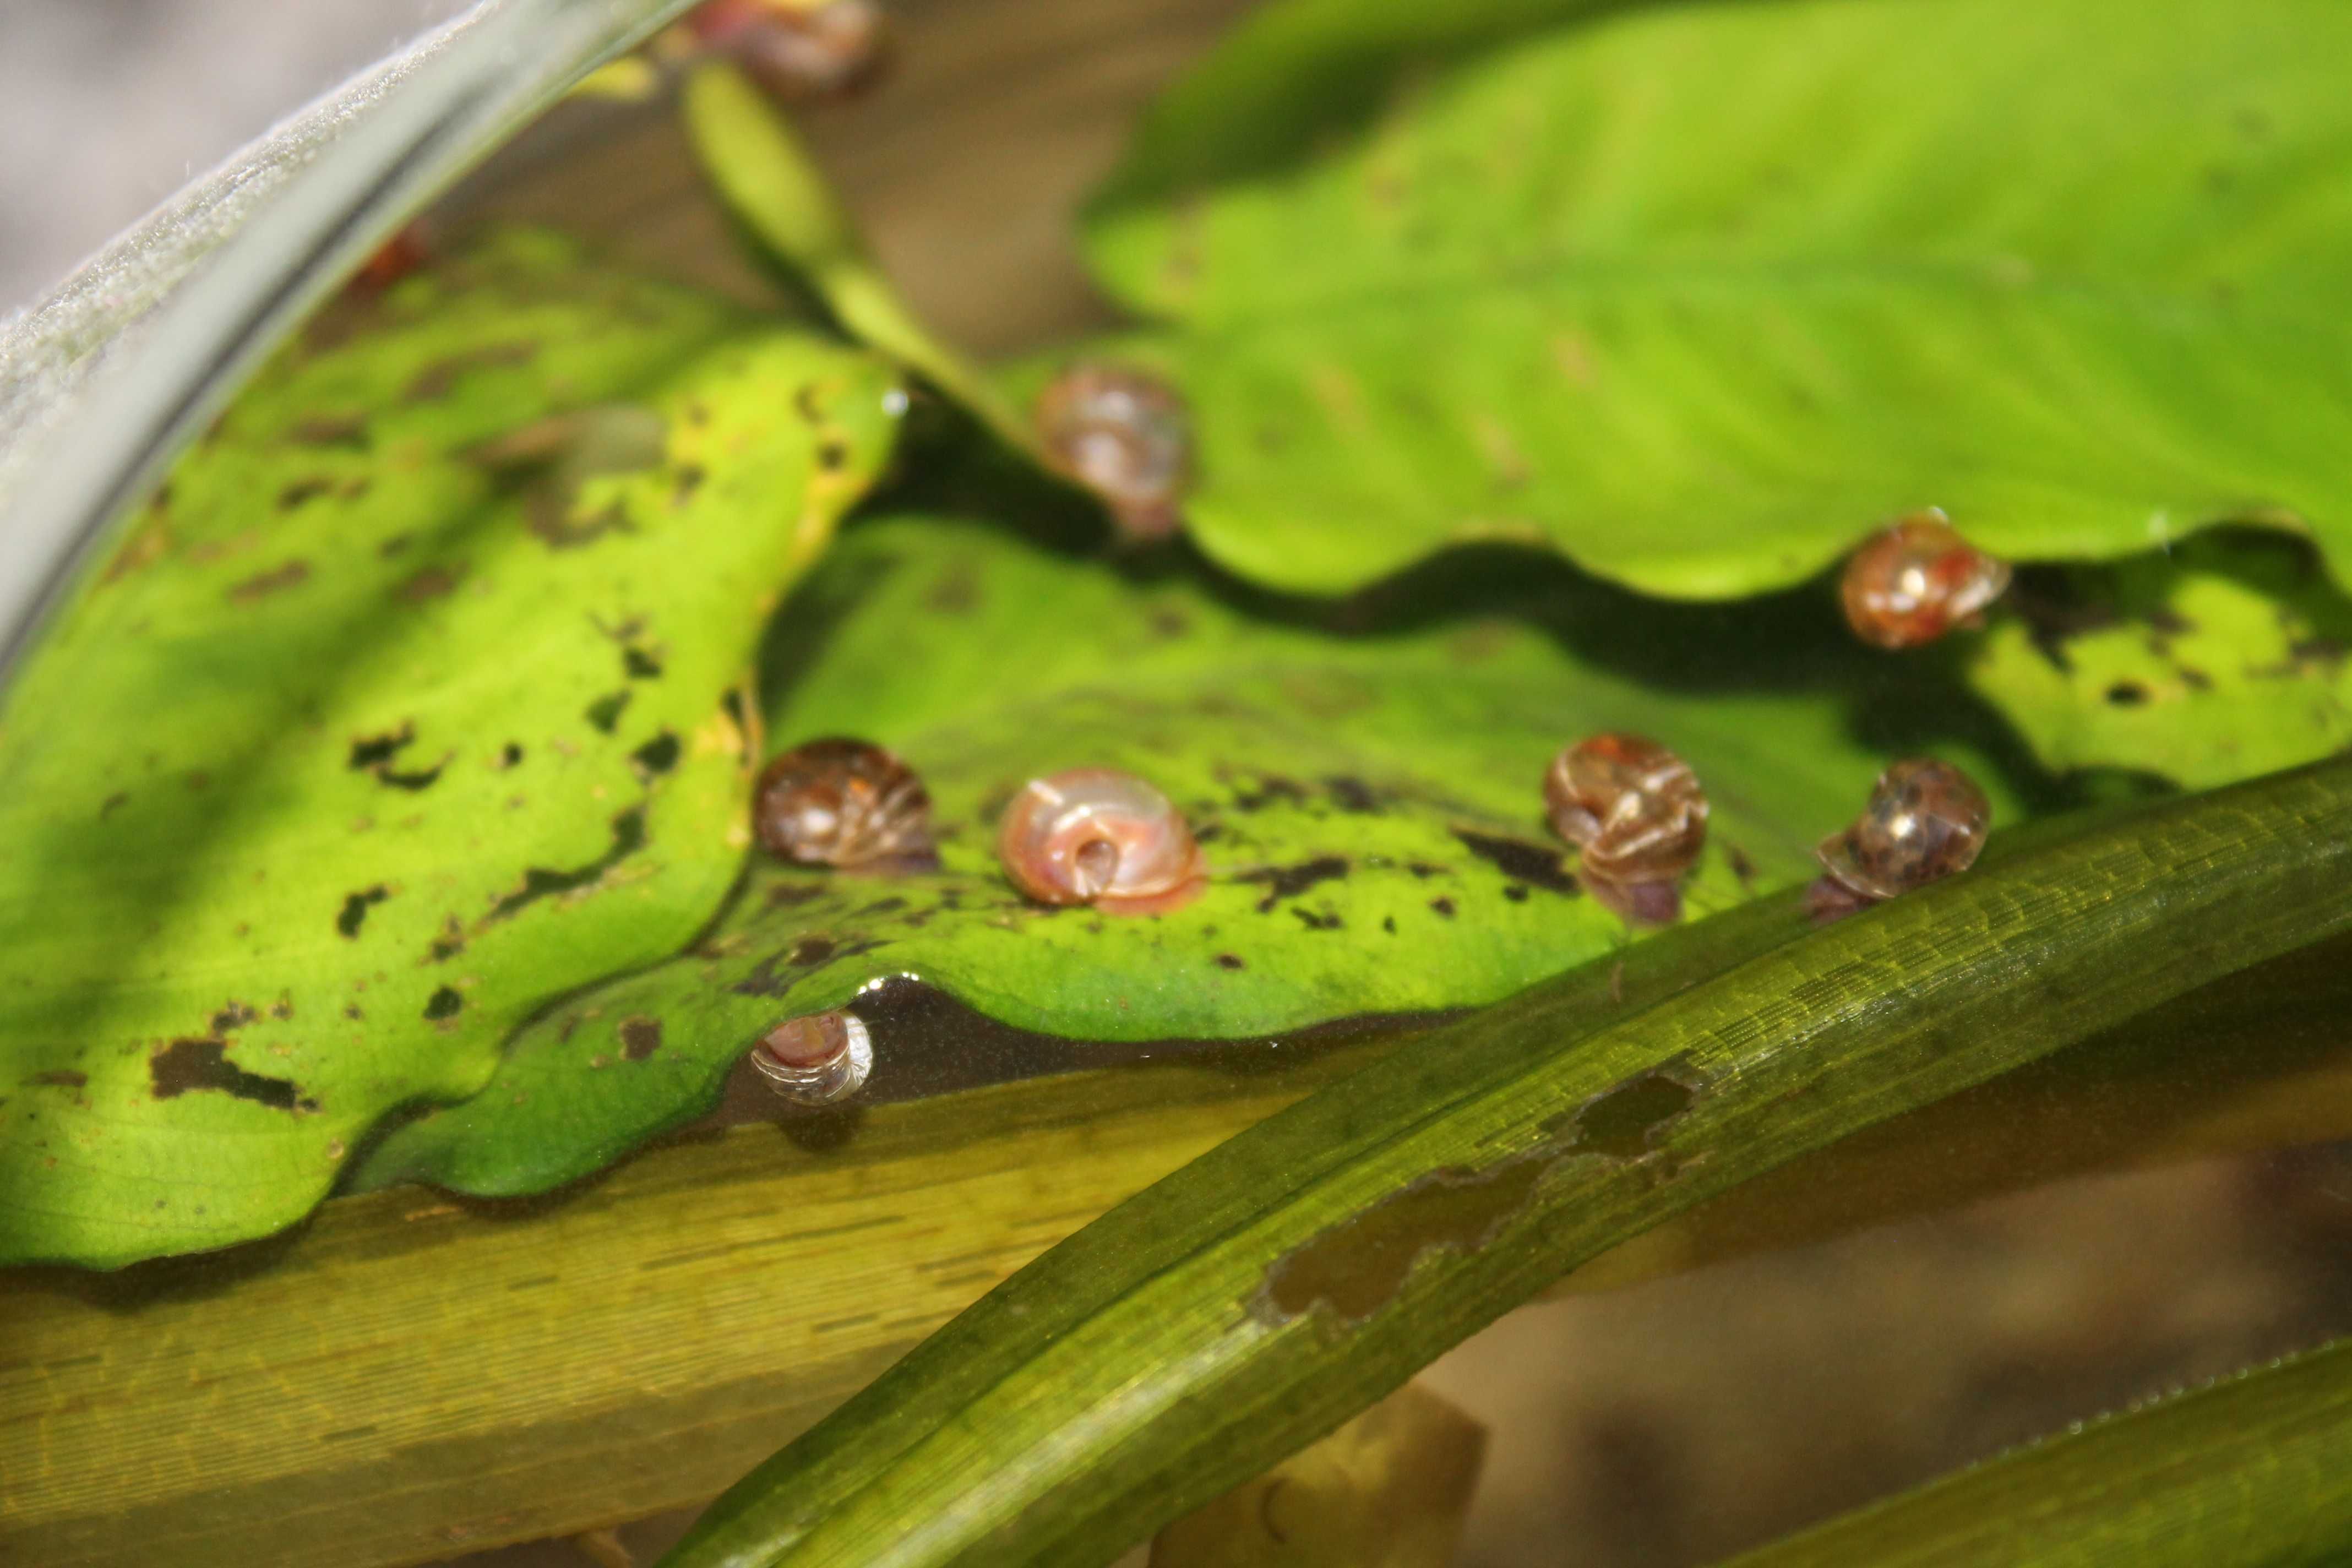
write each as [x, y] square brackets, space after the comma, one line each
[1254, 1300]
[2254, 1471]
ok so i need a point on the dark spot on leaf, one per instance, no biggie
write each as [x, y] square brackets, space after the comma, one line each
[1515, 892]
[639, 665]
[1329, 919]
[1167, 622]
[1443, 905]
[811, 949]
[444, 1003]
[1271, 787]
[510, 755]
[2194, 679]
[1228, 961]
[1358, 1266]
[548, 510]
[449, 943]
[186, 1064]
[1388, 924]
[374, 751]
[764, 979]
[1536, 864]
[540, 882]
[355, 909]
[1288, 881]
[436, 380]
[2127, 694]
[640, 1037]
[107, 806]
[604, 713]
[1351, 793]
[1741, 866]
[235, 1016]
[1623, 1123]
[58, 1077]
[832, 455]
[1424, 870]
[806, 404]
[689, 479]
[291, 575]
[428, 583]
[2318, 651]
[956, 593]
[301, 490]
[658, 756]
[331, 430]
[883, 907]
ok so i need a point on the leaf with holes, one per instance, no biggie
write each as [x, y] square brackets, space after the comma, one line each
[403, 709]
[1368, 802]
[2222, 660]
[1698, 294]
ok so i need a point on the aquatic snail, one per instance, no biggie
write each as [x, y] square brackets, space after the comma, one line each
[1636, 814]
[1926, 820]
[1124, 435]
[1094, 835]
[845, 803]
[1917, 580]
[798, 49]
[816, 1059]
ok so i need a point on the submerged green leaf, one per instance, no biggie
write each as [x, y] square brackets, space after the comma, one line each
[1370, 802]
[1251, 1301]
[2248, 1472]
[404, 708]
[1699, 294]
[2222, 659]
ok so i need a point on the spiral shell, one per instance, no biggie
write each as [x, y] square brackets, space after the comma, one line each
[798, 50]
[1093, 836]
[847, 803]
[1926, 820]
[1631, 806]
[1917, 580]
[1126, 436]
[816, 1059]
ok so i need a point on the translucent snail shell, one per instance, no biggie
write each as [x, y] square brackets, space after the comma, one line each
[816, 1059]
[1094, 835]
[1926, 820]
[798, 51]
[1632, 807]
[843, 801]
[1124, 435]
[1917, 580]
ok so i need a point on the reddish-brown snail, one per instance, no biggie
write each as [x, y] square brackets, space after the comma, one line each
[1094, 835]
[841, 801]
[1917, 580]
[1637, 815]
[798, 49]
[1926, 820]
[816, 1059]
[1126, 436]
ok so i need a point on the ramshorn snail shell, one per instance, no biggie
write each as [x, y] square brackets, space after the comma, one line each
[816, 1059]
[1094, 835]
[1126, 436]
[801, 51]
[1917, 580]
[1634, 807]
[842, 802]
[1926, 820]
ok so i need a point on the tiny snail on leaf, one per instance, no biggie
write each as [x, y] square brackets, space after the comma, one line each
[818, 1059]
[1637, 815]
[1915, 581]
[845, 803]
[1126, 436]
[1926, 820]
[798, 49]
[1093, 836]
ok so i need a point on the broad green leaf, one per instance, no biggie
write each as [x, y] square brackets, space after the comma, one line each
[403, 710]
[1369, 803]
[1253, 1301]
[2222, 659]
[2248, 1472]
[1700, 294]
[102, 382]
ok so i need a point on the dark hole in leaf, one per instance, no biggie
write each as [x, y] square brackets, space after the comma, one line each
[1443, 905]
[444, 1003]
[658, 756]
[639, 665]
[540, 881]
[374, 751]
[186, 1065]
[605, 712]
[1539, 865]
[1623, 1123]
[511, 755]
[640, 1037]
[355, 909]
[1228, 961]
[1290, 881]
[2127, 694]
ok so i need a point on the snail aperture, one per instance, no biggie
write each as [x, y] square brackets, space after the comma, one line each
[845, 803]
[1917, 580]
[1124, 435]
[1926, 820]
[1637, 816]
[1098, 836]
